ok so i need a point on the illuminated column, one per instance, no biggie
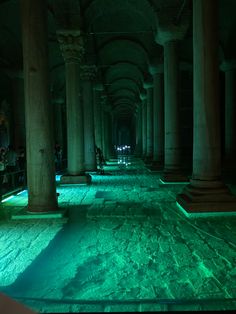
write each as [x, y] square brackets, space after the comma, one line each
[103, 123]
[230, 117]
[158, 117]
[88, 74]
[58, 131]
[106, 131]
[98, 88]
[143, 98]
[206, 192]
[38, 114]
[149, 149]
[138, 149]
[172, 171]
[71, 43]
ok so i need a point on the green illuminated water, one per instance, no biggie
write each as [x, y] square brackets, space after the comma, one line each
[125, 246]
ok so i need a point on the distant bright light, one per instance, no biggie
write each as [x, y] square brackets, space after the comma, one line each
[58, 177]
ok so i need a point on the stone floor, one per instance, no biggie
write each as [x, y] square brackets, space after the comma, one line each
[125, 246]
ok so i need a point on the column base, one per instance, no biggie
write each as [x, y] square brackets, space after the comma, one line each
[195, 199]
[173, 176]
[76, 179]
[25, 213]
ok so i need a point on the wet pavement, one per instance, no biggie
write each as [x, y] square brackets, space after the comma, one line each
[123, 246]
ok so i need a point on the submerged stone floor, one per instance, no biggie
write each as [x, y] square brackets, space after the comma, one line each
[125, 246]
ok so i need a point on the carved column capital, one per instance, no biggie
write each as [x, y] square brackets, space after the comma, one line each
[88, 72]
[143, 96]
[147, 84]
[72, 45]
[168, 29]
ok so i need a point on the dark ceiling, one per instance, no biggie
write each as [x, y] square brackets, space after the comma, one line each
[121, 40]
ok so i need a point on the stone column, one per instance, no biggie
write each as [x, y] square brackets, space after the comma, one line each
[206, 192]
[58, 131]
[148, 85]
[138, 149]
[229, 67]
[172, 171]
[38, 114]
[103, 123]
[71, 43]
[88, 74]
[106, 132]
[98, 88]
[158, 118]
[143, 98]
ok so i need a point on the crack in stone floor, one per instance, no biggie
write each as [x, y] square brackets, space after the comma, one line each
[124, 241]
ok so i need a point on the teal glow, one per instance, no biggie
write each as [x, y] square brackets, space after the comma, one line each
[204, 214]
[8, 198]
[24, 191]
[114, 220]
[40, 215]
[163, 182]
[58, 177]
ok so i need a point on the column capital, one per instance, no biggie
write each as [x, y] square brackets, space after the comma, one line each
[72, 45]
[228, 65]
[156, 69]
[168, 28]
[147, 84]
[143, 96]
[88, 72]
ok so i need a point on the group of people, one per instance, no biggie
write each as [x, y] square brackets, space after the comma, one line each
[11, 160]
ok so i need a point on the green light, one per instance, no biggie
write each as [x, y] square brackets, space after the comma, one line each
[162, 182]
[8, 198]
[204, 214]
[21, 192]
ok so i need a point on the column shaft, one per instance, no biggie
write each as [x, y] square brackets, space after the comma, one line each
[144, 127]
[230, 119]
[172, 148]
[58, 131]
[206, 133]
[158, 119]
[75, 127]
[38, 115]
[149, 153]
[89, 135]
[97, 119]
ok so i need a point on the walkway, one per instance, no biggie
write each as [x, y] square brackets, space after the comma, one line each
[125, 246]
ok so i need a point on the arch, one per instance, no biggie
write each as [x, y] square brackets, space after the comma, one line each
[141, 9]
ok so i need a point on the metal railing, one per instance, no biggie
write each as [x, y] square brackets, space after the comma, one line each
[11, 182]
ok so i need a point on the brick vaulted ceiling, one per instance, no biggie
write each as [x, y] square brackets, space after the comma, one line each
[121, 39]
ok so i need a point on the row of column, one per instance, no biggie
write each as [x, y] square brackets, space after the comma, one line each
[206, 192]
